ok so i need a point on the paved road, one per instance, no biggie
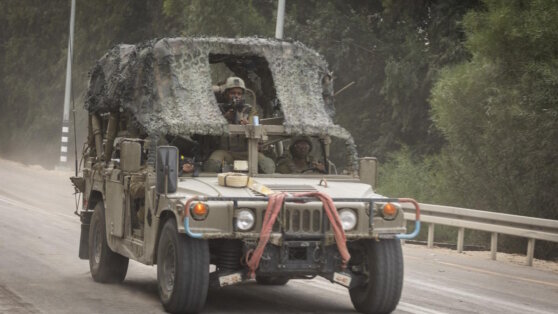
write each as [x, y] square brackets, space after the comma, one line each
[40, 271]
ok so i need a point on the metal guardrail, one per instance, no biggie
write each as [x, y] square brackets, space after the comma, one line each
[495, 223]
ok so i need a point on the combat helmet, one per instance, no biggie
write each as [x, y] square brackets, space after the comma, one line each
[298, 139]
[233, 82]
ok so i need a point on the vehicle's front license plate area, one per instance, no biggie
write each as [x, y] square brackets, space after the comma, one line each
[342, 279]
[299, 257]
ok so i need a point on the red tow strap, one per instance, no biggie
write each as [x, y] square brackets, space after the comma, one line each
[274, 207]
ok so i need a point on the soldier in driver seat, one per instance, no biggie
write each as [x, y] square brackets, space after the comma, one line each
[300, 160]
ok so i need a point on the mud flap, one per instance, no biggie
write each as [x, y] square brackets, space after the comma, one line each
[84, 237]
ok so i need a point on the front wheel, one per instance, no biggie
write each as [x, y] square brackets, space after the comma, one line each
[106, 266]
[182, 270]
[382, 263]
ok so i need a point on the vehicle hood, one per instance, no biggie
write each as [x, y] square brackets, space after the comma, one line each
[209, 186]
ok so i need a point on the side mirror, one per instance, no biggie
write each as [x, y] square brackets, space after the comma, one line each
[368, 170]
[167, 169]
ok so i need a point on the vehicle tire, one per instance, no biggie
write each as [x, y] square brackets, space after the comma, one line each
[106, 266]
[272, 280]
[182, 270]
[382, 261]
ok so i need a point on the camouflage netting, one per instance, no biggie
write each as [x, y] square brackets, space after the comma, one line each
[166, 84]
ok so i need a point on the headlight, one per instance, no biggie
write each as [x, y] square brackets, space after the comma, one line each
[348, 219]
[245, 219]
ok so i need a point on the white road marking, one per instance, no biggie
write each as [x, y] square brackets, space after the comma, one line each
[33, 208]
[10, 302]
[325, 285]
[411, 308]
[510, 307]
[492, 273]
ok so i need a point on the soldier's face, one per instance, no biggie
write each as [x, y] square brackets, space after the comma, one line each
[235, 93]
[301, 149]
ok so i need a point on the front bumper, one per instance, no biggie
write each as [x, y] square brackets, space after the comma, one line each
[301, 217]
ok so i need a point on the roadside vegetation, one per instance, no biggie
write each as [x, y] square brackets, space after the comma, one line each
[457, 99]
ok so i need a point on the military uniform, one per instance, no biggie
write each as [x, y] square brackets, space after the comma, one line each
[235, 147]
[288, 165]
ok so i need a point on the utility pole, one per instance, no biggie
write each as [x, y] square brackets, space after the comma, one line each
[64, 139]
[280, 19]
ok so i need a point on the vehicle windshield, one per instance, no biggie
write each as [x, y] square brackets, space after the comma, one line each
[277, 154]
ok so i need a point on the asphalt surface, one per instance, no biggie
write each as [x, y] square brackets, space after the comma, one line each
[41, 273]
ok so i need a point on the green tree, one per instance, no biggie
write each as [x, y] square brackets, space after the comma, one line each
[33, 54]
[222, 18]
[499, 111]
[28, 84]
[393, 51]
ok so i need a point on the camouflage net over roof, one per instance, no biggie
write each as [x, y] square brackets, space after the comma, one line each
[166, 84]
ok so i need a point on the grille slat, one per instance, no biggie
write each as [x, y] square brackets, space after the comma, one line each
[306, 221]
[303, 220]
[297, 220]
[316, 217]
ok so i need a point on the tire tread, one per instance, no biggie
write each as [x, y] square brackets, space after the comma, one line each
[382, 292]
[112, 267]
[192, 274]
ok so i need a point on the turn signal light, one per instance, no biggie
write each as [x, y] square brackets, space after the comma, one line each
[389, 210]
[199, 211]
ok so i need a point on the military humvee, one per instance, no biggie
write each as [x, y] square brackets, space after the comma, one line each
[153, 105]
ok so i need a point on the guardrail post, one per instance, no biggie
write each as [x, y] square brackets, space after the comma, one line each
[460, 238]
[493, 245]
[530, 251]
[430, 242]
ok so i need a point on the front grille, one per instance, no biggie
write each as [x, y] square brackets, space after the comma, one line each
[303, 220]
[308, 221]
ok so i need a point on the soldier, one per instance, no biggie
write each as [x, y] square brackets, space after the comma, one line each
[300, 160]
[235, 110]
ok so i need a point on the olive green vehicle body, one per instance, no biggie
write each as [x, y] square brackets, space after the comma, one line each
[139, 95]
[115, 188]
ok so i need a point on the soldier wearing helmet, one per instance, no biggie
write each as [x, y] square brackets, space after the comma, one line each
[235, 109]
[300, 160]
